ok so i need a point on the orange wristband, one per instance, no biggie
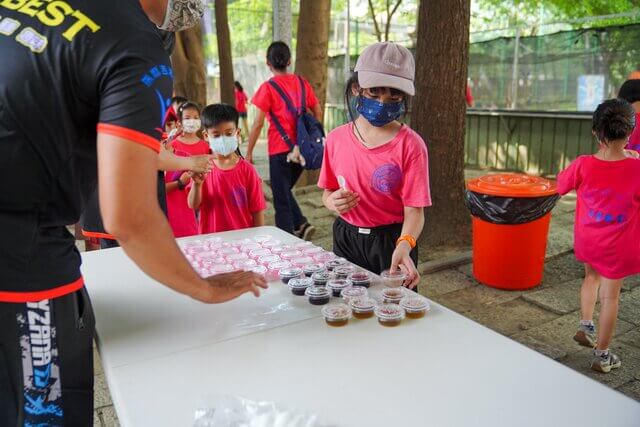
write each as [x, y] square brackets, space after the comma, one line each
[409, 239]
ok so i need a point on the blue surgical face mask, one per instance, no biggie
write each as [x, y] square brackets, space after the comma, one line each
[223, 145]
[378, 113]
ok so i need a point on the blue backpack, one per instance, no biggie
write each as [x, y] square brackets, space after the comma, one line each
[310, 133]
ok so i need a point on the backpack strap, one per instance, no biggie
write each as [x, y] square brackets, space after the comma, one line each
[292, 108]
[303, 90]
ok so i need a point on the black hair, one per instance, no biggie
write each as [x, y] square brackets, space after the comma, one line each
[238, 86]
[188, 105]
[348, 99]
[613, 119]
[214, 114]
[630, 91]
[279, 55]
[178, 100]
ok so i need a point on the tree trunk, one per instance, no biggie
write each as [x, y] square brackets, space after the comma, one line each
[312, 54]
[439, 114]
[188, 65]
[224, 53]
[282, 21]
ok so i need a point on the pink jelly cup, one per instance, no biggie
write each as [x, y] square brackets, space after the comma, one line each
[250, 247]
[259, 269]
[246, 264]
[233, 258]
[273, 269]
[312, 251]
[302, 261]
[257, 253]
[324, 256]
[222, 268]
[268, 259]
[262, 238]
[290, 255]
[271, 244]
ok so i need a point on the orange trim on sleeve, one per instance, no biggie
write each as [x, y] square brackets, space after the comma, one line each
[60, 291]
[130, 134]
[97, 235]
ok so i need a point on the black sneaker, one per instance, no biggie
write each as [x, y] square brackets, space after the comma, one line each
[305, 232]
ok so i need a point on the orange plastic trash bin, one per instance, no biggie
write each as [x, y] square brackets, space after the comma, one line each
[511, 215]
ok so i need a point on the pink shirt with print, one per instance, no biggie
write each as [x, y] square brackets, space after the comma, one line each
[607, 224]
[387, 178]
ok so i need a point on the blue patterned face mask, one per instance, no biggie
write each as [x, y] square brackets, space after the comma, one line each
[224, 145]
[378, 113]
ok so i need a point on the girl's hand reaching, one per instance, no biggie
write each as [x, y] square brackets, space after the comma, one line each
[402, 260]
[198, 178]
[342, 201]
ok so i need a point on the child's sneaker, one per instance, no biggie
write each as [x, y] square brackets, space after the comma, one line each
[586, 336]
[306, 231]
[605, 363]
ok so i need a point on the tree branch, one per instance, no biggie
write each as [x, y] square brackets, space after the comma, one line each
[375, 21]
[389, 17]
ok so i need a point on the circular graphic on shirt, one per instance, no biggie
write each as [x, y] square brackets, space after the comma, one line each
[240, 197]
[386, 178]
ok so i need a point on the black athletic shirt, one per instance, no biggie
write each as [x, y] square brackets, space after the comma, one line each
[70, 69]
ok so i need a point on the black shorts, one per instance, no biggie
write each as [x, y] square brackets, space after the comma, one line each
[370, 248]
[46, 362]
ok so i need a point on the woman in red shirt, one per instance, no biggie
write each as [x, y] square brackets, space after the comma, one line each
[283, 174]
[241, 107]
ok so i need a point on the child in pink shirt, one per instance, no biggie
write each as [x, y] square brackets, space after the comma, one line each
[375, 169]
[181, 218]
[230, 197]
[630, 92]
[607, 224]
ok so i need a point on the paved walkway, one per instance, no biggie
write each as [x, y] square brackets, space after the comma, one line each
[544, 318]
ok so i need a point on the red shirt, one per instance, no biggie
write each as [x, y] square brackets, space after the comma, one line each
[230, 198]
[268, 100]
[181, 218]
[241, 101]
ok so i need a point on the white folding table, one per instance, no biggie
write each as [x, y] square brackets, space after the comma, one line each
[164, 353]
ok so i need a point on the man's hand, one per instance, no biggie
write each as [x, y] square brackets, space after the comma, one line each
[227, 286]
[200, 164]
[342, 201]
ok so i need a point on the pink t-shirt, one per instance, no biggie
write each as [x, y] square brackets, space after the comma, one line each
[634, 139]
[387, 178]
[230, 198]
[181, 218]
[607, 225]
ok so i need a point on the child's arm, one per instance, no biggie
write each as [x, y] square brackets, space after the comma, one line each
[568, 179]
[258, 218]
[194, 199]
[173, 185]
[412, 226]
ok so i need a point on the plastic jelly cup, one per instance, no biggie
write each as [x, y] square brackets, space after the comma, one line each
[259, 269]
[286, 274]
[318, 295]
[302, 261]
[271, 244]
[353, 292]
[290, 255]
[237, 257]
[310, 269]
[240, 242]
[245, 264]
[361, 278]
[323, 257]
[222, 268]
[268, 259]
[278, 250]
[392, 295]
[389, 314]
[321, 278]
[393, 280]
[273, 269]
[313, 251]
[344, 271]
[250, 247]
[299, 286]
[230, 250]
[337, 286]
[363, 307]
[336, 314]
[303, 245]
[335, 263]
[257, 253]
[415, 307]
[262, 238]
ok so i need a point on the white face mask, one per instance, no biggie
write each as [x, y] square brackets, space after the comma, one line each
[223, 145]
[182, 14]
[191, 125]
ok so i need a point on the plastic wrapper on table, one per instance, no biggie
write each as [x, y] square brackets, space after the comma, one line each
[509, 210]
[232, 411]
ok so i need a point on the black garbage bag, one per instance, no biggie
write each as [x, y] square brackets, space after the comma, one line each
[509, 210]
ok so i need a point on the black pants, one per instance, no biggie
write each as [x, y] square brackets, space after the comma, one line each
[283, 177]
[371, 248]
[46, 362]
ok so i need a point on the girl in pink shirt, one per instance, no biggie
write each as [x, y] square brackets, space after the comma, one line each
[607, 224]
[375, 169]
[230, 197]
[181, 218]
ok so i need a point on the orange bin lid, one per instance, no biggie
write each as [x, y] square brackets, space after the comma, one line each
[512, 185]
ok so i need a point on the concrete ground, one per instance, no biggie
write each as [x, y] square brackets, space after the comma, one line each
[544, 318]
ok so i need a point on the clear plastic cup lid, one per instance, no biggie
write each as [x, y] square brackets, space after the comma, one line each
[393, 293]
[291, 254]
[414, 303]
[322, 276]
[278, 250]
[271, 243]
[262, 238]
[336, 284]
[279, 265]
[259, 269]
[363, 303]
[313, 268]
[245, 264]
[317, 292]
[224, 268]
[267, 259]
[259, 252]
[250, 247]
[345, 270]
[324, 256]
[360, 277]
[239, 242]
[197, 249]
[303, 245]
[290, 272]
[335, 263]
[213, 240]
[398, 275]
[305, 260]
[389, 312]
[354, 292]
[237, 257]
[313, 250]
[228, 251]
[303, 283]
[336, 312]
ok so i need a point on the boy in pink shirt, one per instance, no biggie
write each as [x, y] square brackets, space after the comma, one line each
[230, 197]
[607, 224]
[375, 169]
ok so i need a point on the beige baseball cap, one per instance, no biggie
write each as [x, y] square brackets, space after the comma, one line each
[387, 64]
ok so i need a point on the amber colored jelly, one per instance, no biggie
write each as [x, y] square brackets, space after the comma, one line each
[389, 322]
[336, 323]
[418, 314]
[363, 314]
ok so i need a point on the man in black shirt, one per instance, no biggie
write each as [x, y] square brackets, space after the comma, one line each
[83, 83]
